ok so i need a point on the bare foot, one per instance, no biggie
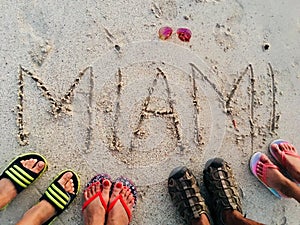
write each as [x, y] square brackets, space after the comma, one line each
[43, 211]
[7, 189]
[291, 162]
[274, 177]
[94, 212]
[117, 215]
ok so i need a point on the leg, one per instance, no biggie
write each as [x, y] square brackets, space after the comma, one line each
[43, 211]
[234, 217]
[7, 189]
[203, 220]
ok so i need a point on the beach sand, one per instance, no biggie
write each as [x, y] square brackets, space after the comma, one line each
[89, 85]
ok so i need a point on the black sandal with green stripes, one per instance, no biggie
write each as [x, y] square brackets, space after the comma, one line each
[58, 197]
[20, 176]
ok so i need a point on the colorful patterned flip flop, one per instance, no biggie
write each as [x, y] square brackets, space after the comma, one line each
[95, 179]
[58, 197]
[253, 167]
[20, 176]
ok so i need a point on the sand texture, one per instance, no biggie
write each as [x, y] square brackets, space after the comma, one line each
[89, 85]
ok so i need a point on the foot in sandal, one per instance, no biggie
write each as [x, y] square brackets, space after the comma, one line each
[122, 202]
[96, 197]
[19, 174]
[58, 196]
[286, 155]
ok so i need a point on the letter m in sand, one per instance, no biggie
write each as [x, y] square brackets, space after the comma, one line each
[58, 104]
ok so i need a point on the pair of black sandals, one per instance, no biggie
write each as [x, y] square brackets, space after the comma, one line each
[221, 186]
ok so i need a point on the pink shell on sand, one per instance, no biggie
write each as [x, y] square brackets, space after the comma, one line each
[184, 34]
[165, 32]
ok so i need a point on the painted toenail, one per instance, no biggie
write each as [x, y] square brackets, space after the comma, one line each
[106, 183]
[119, 185]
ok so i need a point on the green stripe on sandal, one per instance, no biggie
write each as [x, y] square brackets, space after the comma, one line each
[58, 197]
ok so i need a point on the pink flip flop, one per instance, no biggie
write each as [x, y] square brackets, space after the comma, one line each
[282, 162]
[253, 167]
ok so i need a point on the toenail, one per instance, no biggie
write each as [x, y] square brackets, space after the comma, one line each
[106, 183]
[119, 185]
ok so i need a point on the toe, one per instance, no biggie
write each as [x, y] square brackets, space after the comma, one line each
[69, 186]
[86, 195]
[65, 178]
[264, 159]
[29, 164]
[97, 187]
[93, 190]
[276, 148]
[38, 167]
[117, 189]
[106, 189]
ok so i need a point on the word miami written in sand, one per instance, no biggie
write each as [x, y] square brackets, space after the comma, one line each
[147, 110]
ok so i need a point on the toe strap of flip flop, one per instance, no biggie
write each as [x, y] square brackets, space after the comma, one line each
[87, 202]
[112, 204]
[20, 176]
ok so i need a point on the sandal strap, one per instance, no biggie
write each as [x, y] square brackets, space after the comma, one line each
[290, 153]
[99, 194]
[57, 197]
[265, 167]
[185, 194]
[222, 186]
[112, 204]
[20, 176]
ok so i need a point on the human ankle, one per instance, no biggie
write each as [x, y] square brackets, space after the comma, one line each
[230, 216]
[44, 211]
[296, 176]
[203, 220]
[7, 191]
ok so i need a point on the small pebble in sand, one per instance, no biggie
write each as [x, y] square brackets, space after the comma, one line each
[266, 46]
[117, 47]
